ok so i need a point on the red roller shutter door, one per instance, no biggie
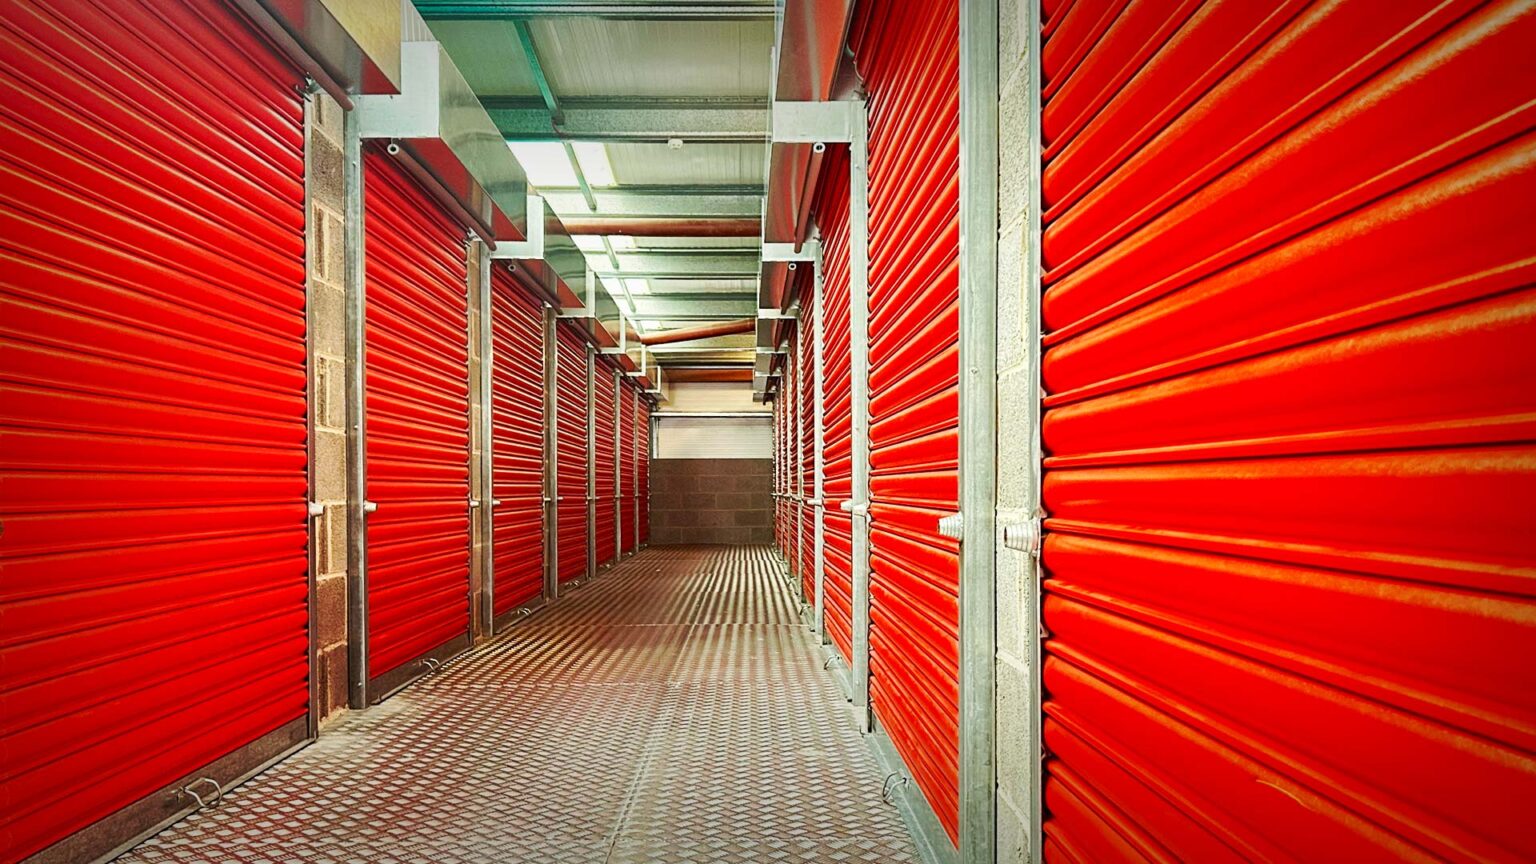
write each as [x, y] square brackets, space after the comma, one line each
[831, 209]
[607, 452]
[643, 473]
[1290, 473]
[627, 470]
[517, 434]
[152, 404]
[417, 421]
[910, 56]
[571, 464]
[807, 476]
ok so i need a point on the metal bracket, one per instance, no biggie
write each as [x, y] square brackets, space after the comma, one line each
[316, 508]
[370, 507]
[953, 526]
[860, 508]
[1023, 536]
[787, 252]
[531, 247]
[816, 122]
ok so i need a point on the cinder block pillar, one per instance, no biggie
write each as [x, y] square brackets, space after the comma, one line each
[326, 301]
[1018, 756]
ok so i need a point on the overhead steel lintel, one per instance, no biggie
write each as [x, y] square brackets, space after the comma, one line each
[691, 120]
[730, 202]
[688, 10]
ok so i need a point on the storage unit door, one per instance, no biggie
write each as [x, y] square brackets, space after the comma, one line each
[643, 470]
[417, 426]
[831, 210]
[571, 462]
[910, 56]
[1291, 472]
[627, 485]
[152, 411]
[807, 478]
[607, 452]
[517, 443]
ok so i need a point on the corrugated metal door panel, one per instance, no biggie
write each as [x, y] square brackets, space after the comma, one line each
[1244, 580]
[808, 433]
[909, 54]
[627, 482]
[571, 468]
[517, 430]
[831, 210]
[606, 453]
[417, 420]
[171, 353]
[643, 433]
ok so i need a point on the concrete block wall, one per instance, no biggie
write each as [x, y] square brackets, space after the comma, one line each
[1018, 710]
[326, 294]
[711, 501]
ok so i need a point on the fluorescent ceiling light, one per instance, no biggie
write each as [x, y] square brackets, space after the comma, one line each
[650, 325]
[544, 162]
[638, 286]
[622, 242]
[593, 157]
[588, 242]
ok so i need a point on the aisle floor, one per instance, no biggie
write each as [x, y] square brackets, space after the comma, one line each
[672, 710]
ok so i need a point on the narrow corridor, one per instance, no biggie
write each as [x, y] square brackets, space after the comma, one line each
[674, 709]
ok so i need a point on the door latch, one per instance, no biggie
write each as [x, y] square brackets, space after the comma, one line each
[1023, 536]
[953, 526]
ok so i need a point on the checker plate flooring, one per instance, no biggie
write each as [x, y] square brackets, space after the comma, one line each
[672, 710]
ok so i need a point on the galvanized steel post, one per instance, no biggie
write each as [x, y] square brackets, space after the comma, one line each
[1033, 276]
[551, 459]
[858, 350]
[797, 451]
[618, 467]
[591, 460]
[818, 433]
[481, 489]
[978, 427]
[356, 419]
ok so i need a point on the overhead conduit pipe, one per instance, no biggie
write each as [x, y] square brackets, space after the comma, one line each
[704, 331]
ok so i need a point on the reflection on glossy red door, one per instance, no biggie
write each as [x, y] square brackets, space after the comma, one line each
[1290, 470]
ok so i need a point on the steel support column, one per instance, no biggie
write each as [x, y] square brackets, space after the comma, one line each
[1033, 276]
[551, 459]
[591, 462]
[978, 427]
[355, 347]
[818, 433]
[858, 349]
[482, 500]
[618, 468]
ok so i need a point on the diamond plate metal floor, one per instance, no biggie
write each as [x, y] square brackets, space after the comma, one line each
[673, 710]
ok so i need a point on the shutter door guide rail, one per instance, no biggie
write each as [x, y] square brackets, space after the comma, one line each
[848, 122]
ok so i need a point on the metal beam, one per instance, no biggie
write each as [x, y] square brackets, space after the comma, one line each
[978, 427]
[667, 308]
[687, 202]
[685, 264]
[687, 10]
[556, 116]
[648, 120]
